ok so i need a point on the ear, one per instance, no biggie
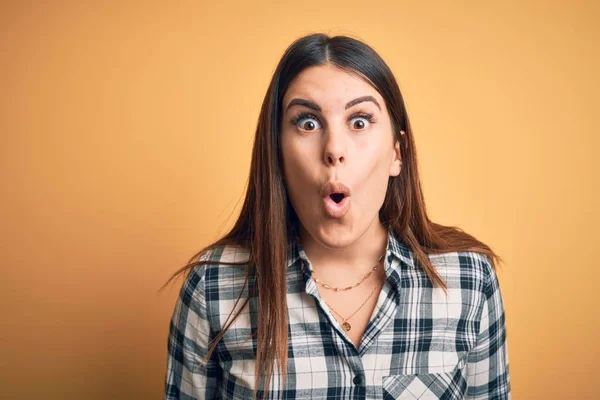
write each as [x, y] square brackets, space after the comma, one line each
[396, 164]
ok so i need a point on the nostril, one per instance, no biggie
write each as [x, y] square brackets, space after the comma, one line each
[337, 197]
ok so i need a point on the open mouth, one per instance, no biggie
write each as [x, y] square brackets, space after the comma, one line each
[337, 197]
[336, 205]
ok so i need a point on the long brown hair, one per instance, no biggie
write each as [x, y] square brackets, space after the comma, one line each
[268, 223]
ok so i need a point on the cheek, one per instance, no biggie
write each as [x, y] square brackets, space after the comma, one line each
[297, 160]
[372, 176]
[373, 163]
[300, 172]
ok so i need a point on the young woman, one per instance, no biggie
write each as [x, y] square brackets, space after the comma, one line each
[334, 283]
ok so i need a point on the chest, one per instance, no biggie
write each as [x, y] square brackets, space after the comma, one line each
[350, 311]
[408, 335]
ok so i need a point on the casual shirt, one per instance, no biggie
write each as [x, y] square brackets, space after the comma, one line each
[420, 342]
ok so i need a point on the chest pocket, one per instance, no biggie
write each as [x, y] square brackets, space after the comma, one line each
[434, 386]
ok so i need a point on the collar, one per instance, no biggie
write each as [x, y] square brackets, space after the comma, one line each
[395, 248]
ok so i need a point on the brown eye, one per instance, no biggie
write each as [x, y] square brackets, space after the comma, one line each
[360, 122]
[306, 122]
[309, 126]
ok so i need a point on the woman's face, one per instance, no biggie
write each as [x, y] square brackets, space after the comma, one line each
[336, 128]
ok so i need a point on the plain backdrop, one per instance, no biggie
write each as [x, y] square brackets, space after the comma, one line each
[125, 137]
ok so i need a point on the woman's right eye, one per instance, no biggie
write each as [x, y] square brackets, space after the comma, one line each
[306, 122]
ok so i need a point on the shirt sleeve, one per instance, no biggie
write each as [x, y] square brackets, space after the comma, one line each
[487, 363]
[188, 375]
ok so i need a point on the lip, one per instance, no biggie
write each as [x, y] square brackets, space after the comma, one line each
[336, 187]
[336, 210]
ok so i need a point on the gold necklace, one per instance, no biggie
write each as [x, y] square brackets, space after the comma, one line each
[345, 324]
[328, 286]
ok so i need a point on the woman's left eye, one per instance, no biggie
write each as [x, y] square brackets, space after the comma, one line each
[361, 118]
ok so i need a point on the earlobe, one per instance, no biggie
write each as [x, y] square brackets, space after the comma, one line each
[395, 169]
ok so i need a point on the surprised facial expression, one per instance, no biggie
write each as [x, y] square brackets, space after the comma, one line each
[338, 153]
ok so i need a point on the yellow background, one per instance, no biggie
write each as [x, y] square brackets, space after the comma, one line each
[126, 132]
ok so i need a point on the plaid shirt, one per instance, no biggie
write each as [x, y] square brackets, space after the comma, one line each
[419, 344]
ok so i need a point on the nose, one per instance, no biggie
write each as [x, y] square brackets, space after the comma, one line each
[335, 150]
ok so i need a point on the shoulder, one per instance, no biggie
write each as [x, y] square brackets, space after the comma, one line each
[472, 285]
[216, 273]
[223, 256]
[465, 269]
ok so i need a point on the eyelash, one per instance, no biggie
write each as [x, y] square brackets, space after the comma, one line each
[304, 114]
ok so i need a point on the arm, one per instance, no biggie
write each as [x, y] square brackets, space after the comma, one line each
[487, 363]
[188, 376]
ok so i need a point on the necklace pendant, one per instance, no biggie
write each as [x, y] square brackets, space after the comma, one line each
[346, 326]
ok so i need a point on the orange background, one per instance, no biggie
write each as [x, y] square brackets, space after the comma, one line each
[126, 132]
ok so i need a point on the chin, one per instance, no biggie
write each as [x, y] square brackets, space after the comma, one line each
[334, 235]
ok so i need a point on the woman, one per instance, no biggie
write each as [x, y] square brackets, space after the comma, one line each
[334, 283]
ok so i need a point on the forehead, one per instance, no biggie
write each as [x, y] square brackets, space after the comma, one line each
[330, 87]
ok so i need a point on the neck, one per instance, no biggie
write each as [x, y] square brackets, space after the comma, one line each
[356, 254]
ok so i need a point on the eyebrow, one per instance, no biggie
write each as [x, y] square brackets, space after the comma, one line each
[314, 106]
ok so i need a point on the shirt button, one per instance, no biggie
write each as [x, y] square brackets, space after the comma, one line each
[357, 380]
